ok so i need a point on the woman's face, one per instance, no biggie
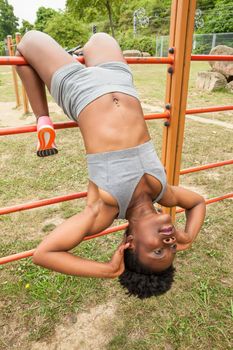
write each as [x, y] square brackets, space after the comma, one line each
[154, 241]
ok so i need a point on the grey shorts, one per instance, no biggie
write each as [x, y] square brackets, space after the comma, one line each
[74, 85]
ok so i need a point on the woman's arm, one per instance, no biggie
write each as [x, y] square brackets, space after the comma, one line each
[195, 210]
[53, 254]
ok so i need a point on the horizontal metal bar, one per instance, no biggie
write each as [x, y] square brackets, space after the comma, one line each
[66, 125]
[206, 166]
[19, 61]
[208, 109]
[211, 57]
[211, 200]
[15, 60]
[44, 202]
[29, 253]
[41, 203]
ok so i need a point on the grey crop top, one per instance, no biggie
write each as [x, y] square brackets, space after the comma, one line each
[119, 172]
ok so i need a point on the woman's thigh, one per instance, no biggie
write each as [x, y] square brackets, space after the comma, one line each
[102, 48]
[44, 54]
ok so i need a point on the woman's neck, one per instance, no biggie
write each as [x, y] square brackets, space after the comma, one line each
[140, 207]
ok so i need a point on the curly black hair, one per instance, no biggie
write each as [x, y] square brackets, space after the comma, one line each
[141, 281]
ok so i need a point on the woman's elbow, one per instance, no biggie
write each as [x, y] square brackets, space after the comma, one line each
[38, 257]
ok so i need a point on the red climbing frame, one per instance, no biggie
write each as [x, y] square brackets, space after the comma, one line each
[180, 9]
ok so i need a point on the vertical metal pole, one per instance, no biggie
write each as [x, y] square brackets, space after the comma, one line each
[213, 41]
[134, 24]
[14, 74]
[161, 46]
[181, 34]
[25, 98]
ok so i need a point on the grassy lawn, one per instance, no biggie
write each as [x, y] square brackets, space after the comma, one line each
[198, 311]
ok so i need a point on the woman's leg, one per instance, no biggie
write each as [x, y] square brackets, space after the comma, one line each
[101, 48]
[44, 56]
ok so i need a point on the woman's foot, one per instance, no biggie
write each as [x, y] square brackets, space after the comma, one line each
[46, 137]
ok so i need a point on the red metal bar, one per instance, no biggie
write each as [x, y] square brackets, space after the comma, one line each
[211, 58]
[211, 200]
[206, 166]
[42, 203]
[64, 198]
[14, 60]
[65, 125]
[208, 109]
[163, 115]
[29, 253]
[150, 60]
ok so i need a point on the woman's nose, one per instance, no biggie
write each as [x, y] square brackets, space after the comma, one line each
[169, 240]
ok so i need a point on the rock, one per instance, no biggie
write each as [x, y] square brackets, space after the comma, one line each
[145, 54]
[132, 53]
[229, 86]
[224, 67]
[210, 81]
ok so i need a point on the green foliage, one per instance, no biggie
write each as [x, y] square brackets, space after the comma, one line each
[26, 26]
[8, 21]
[67, 31]
[142, 43]
[218, 19]
[2, 48]
[44, 16]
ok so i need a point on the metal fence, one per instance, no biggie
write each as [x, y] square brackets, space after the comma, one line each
[202, 43]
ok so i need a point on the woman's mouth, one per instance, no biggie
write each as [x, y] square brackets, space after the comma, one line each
[167, 230]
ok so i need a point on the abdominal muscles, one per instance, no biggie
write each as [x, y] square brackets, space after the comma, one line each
[113, 121]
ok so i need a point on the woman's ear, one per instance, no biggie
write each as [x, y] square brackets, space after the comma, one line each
[130, 240]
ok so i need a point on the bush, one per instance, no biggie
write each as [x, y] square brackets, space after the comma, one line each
[2, 48]
[142, 43]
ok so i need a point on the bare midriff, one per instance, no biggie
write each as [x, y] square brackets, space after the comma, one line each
[113, 122]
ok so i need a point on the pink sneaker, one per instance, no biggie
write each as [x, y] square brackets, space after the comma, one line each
[46, 136]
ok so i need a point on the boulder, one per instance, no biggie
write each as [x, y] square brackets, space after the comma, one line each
[229, 86]
[210, 81]
[132, 53]
[224, 67]
[145, 54]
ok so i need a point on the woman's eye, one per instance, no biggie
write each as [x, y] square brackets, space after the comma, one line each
[158, 251]
[173, 246]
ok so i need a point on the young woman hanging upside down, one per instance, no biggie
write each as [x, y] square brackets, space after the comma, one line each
[125, 175]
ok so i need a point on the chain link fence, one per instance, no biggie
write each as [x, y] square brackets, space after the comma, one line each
[202, 43]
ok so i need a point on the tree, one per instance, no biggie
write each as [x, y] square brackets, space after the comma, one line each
[218, 19]
[43, 16]
[67, 30]
[25, 27]
[8, 21]
[79, 7]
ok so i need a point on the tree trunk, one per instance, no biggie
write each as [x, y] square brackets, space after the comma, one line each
[110, 17]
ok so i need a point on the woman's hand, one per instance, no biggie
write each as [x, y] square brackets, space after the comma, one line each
[116, 264]
[183, 239]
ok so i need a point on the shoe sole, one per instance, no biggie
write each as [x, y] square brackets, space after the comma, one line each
[46, 137]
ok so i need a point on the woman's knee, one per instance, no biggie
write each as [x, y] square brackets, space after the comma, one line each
[98, 38]
[27, 39]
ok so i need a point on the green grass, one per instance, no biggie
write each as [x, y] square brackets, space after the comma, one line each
[196, 314]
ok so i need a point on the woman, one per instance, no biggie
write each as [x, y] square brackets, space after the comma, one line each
[125, 174]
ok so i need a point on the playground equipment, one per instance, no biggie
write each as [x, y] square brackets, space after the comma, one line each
[11, 50]
[178, 60]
